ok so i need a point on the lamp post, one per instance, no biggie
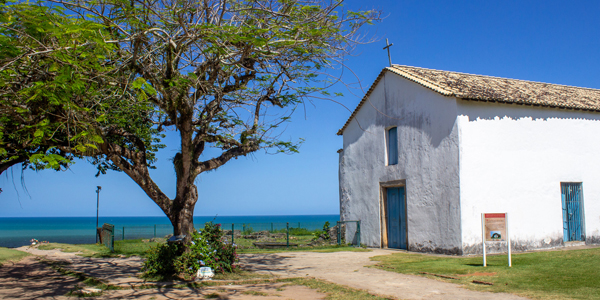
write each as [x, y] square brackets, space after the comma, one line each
[97, 208]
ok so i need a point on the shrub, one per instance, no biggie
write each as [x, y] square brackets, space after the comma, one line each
[206, 248]
[160, 261]
[326, 231]
[324, 234]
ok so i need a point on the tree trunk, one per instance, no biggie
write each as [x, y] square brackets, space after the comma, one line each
[182, 214]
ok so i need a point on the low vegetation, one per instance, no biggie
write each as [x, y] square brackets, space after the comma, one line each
[333, 291]
[323, 249]
[140, 247]
[563, 274]
[247, 243]
[7, 255]
[207, 249]
[137, 247]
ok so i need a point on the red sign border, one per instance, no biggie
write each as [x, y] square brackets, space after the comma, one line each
[494, 216]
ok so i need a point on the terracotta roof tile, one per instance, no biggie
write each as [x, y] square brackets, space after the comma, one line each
[493, 89]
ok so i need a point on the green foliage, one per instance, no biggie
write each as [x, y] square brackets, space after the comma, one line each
[324, 233]
[205, 249]
[208, 249]
[160, 261]
[58, 90]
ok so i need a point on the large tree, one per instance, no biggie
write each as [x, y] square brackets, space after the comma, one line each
[53, 69]
[56, 74]
[222, 73]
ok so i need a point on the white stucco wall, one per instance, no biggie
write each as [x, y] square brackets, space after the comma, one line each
[428, 162]
[513, 159]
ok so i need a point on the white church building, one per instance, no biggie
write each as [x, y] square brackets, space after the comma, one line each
[426, 152]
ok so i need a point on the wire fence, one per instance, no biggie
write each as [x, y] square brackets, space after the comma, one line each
[162, 230]
[349, 234]
[78, 234]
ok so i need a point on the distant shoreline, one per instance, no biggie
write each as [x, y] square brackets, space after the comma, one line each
[166, 216]
[18, 231]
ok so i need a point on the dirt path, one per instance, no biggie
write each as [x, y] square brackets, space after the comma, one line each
[348, 268]
[31, 279]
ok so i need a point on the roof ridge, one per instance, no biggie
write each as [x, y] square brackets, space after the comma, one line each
[422, 81]
[478, 87]
[497, 77]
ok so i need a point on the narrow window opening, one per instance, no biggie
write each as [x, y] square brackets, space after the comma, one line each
[392, 149]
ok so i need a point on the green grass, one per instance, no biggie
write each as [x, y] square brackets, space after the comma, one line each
[246, 245]
[139, 248]
[293, 231]
[126, 247]
[133, 247]
[323, 249]
[566, 274]
[255, 293]
[85, 249]
[332, 290]
[243, 243]
[11, 255]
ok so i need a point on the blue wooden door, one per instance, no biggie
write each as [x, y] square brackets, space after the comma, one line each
[572, 211]
[396, 222]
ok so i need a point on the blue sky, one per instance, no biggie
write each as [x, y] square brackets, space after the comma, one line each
[548, 41]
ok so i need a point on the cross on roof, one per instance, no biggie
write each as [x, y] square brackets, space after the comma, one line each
[388, 50]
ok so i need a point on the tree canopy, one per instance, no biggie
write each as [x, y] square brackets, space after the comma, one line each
[56, 82]
[104, 80]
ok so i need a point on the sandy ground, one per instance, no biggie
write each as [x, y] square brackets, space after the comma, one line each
[348, 268]
[30, 278]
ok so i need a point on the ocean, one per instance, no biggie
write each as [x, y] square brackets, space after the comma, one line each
[16, 232]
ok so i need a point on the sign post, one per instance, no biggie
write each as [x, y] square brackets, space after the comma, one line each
[494, 228]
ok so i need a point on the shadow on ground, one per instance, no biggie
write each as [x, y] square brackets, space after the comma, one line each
[31, 279]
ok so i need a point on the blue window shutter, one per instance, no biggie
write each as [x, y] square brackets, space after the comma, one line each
[393, 146]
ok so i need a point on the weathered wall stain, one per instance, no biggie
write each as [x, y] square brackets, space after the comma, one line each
[429, 247]
[594, 239]
[516, 246]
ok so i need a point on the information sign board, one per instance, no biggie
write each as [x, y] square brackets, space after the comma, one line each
[495, 227]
